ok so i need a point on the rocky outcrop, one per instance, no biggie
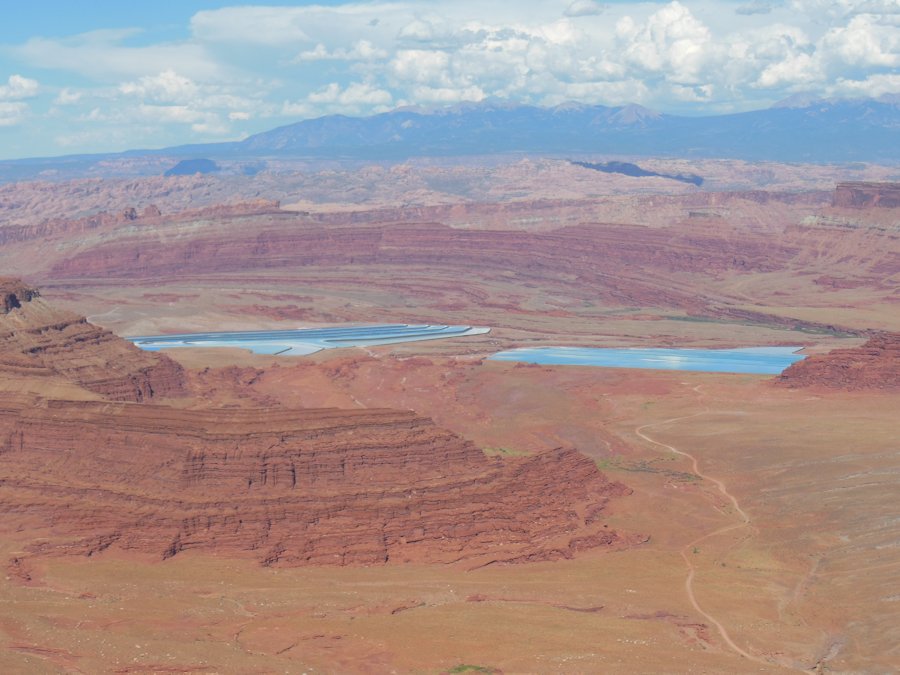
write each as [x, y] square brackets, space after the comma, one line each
[37, 340]
[874, 365]
[288, 487]
[627, 265]
[13, 293]
[866, 195]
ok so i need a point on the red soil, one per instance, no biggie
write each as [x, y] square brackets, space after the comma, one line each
[874, 365]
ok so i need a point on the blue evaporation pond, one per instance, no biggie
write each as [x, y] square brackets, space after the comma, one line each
[307, 340]
[756, 360]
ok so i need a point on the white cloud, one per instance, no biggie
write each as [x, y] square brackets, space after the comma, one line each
[294, 26]
[584, 8]
[755, 7]
[842, 9]
[11, 113]
[681, 52]
[171, 98]
[796, 70]
[417, 31]
[671, 42]
[355, 95]
[94, 115]
[181, 114]
[165, 87]
[259, 25]
[102, 55]
[865, 42]
[447, 95]
[699, 93]
[13, 109]
[421, 66]
[607, 93]
[67, 96]
[363, 50]
[300, 109]
[201, 121]
[18, 88]
[872, 86]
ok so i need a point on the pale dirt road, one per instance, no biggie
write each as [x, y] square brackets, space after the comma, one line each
[743, 522]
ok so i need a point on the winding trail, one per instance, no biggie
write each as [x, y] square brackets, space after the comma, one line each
[744, 522]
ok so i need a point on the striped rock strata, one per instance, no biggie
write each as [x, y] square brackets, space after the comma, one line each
[40, 341]
[288, 487]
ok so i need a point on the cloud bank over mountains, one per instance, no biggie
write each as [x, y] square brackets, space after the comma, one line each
[241, 69]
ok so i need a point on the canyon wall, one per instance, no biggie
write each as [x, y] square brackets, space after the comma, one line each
[290, 487]
[38, 340]
[284, 486]
[861, 195]
[620, 264]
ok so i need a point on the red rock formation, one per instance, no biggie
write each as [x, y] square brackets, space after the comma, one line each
[289, 487]
[874, 365]
[151, 211]
[627, 265]
[288, 242]
[292, 487]
[38, 340]
[13, 293]
[866, 195]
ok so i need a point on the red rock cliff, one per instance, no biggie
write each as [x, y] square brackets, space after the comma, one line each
[38, 340]
[874, 365]
[291, 487]
[866, 195]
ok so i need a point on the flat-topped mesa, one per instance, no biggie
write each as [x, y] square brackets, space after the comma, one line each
[860, 195]
[38, 340]
[288, 487]
[873, 365]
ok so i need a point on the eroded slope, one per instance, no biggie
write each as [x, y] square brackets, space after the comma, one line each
[873, 365]
[320, 486]
[40, 341]
[289, 486]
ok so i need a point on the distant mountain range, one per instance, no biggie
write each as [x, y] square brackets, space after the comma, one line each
[797, 130]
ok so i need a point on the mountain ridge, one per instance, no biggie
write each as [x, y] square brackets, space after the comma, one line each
[799, 129]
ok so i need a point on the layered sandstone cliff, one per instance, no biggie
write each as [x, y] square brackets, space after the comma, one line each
[286, 242]
[860, 195]
[620, 264]
[874, 365]
[291, 487]
[38, 340]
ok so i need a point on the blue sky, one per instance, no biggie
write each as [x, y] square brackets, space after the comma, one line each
[108, 76]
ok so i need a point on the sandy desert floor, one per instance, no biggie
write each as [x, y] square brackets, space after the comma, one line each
[771, 544]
